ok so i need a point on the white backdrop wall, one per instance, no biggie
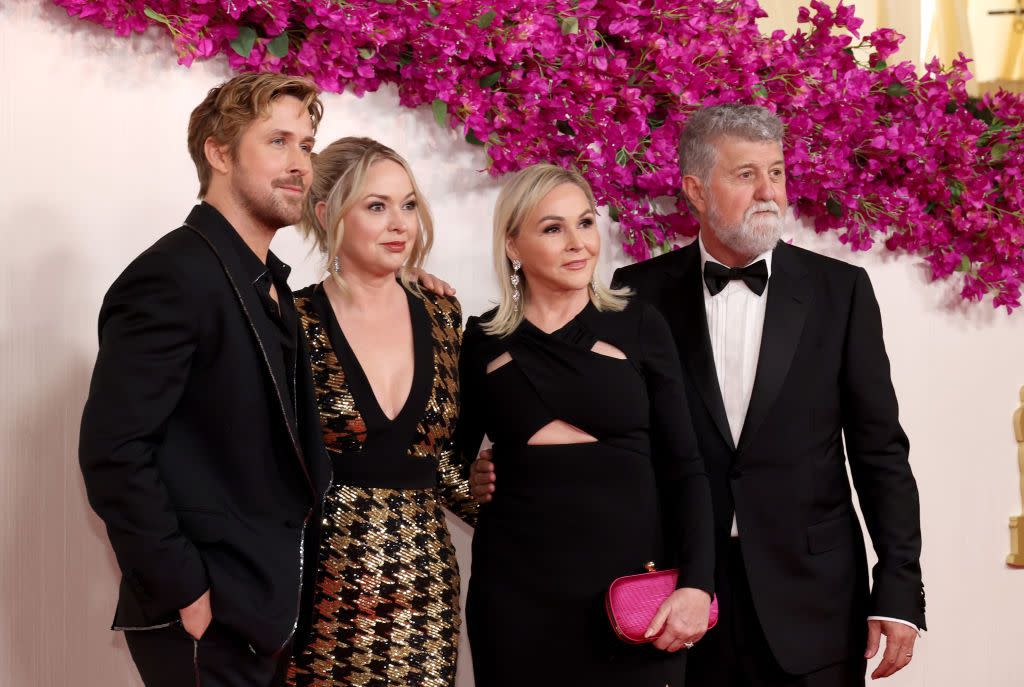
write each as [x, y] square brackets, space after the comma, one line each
[92, 133]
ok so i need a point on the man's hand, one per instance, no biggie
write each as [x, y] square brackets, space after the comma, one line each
[431, 283]
[681, 620]
[899, 646]
[197, 616]
[481, 477]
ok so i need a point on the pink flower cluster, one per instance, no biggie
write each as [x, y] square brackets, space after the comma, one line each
[875, 151]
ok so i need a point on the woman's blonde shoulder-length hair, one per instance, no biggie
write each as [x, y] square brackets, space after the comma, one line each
[518, 198]
[339, 179]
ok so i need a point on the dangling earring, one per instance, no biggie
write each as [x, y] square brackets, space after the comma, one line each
[515, 282]
[593, 282]
[335, 264]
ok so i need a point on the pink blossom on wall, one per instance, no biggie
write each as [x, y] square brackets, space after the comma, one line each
[876, 152]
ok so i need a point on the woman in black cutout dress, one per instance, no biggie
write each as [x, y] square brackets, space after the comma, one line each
[567, 519]
[382, 585]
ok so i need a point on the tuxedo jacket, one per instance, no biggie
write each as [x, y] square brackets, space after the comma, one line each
[202, 462]
[822, 377]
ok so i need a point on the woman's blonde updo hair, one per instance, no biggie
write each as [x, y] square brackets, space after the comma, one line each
[339, 179]
[518, 198]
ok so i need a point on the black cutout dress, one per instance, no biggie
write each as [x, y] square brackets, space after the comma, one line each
[567, 519]
[383, 583]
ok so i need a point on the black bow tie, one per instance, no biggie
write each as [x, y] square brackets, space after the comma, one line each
[717, 276]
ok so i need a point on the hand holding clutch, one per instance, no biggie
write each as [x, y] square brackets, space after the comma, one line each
[633, 602]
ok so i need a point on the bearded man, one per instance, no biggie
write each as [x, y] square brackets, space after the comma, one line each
[785, 359]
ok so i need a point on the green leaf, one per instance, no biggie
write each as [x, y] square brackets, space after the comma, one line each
[440, 109]
[156, 16]
[387, 2]
[834, 207]
[366, 53]
[490, 79]
[486, 19]
[565, 128]
[879, 66]
[279, 46]
[433, 10]
[965, 264]
[494, 138]
[956, 189]
[569, 25]
[243, 43]
[472, 138]
[999, 151]
[622, 157]
[614, 212]
[761, 91]
[896, 89]
[930, 208]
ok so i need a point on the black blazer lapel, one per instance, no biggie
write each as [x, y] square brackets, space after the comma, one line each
[683, 305]
[788, 299]
[254, 313]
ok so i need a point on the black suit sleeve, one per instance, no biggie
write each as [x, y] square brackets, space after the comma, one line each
[147, 341]
[878, 454]
[685, 488]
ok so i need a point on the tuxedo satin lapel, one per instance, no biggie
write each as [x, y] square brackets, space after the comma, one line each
[684, 306]
[788, 299]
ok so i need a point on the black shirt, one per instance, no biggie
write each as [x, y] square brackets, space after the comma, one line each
[282, 313]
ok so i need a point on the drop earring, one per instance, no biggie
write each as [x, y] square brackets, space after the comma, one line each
[335, 264]
[515, 282]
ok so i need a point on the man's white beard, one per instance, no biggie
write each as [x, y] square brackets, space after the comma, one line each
[755, 234]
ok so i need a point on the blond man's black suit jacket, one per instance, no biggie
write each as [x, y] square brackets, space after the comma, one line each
[200, 450]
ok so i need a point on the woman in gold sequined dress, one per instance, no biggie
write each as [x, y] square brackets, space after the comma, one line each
[382, 581]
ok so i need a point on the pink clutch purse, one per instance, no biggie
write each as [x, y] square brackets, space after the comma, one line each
[633, 600]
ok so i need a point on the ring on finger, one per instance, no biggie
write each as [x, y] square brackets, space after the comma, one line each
[688, 645]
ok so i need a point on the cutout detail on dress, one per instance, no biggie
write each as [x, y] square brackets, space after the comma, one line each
[499, 362]
[559, 432]
[607, 350]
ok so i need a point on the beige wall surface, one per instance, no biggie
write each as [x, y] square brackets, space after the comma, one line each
[92, 131]
[904, 15]
[942, 28]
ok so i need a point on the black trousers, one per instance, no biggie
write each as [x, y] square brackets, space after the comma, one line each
[736, 654]
[170, 657]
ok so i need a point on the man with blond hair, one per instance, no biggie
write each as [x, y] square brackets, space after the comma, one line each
[200, 444]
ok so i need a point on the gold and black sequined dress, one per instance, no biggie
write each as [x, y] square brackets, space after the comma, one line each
[383, 591]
